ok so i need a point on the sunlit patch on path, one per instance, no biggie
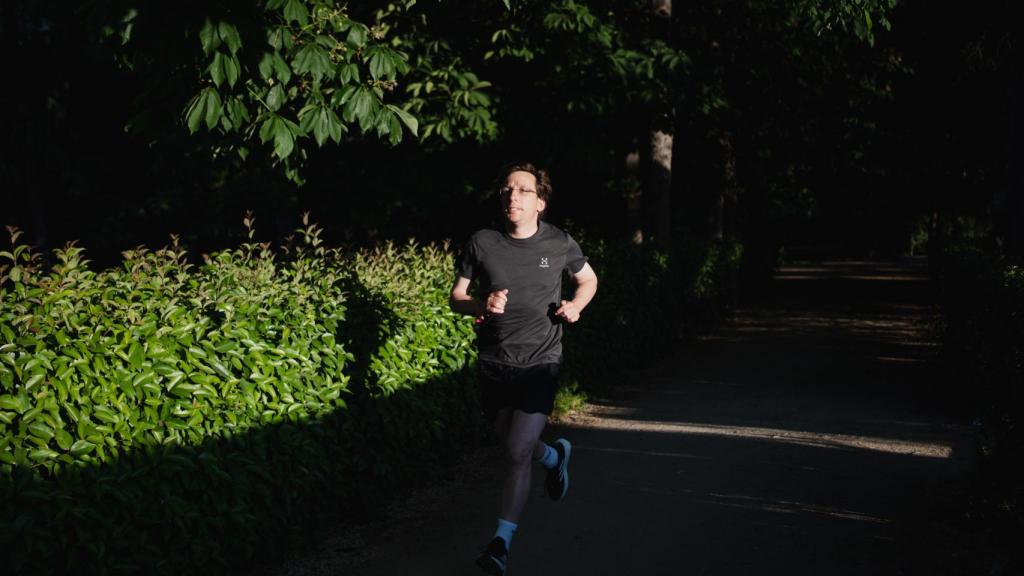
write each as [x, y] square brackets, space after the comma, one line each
[785, 507]
[779, 435]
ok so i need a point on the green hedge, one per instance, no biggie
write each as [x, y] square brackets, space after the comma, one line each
[168, 417]
[983, 302]
[156, 353]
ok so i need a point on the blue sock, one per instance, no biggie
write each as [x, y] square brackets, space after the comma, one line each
[550, 458]
[505, 531]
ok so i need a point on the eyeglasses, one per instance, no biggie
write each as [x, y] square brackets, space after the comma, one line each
[507, 191]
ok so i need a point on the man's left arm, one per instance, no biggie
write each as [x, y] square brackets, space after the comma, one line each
[586, 287]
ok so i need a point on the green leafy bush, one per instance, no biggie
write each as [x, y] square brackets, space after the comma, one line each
[156, 353]
[157, 393]
[428, 339]
[163, 416]
[420, 407]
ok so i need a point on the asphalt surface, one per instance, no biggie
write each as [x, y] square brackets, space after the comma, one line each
[806, 436]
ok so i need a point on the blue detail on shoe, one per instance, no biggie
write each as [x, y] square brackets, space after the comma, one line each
[557, 481]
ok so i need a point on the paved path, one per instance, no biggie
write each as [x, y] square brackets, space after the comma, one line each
[801, 438]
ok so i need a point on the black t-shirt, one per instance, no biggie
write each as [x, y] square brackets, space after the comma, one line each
[528, 333]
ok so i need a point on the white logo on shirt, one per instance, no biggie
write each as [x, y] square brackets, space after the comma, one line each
[544, 263]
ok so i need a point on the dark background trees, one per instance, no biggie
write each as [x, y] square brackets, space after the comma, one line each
[790, 128]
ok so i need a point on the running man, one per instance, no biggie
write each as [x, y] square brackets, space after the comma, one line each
[518, 271]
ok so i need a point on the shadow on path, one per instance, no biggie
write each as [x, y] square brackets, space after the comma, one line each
[804, 437]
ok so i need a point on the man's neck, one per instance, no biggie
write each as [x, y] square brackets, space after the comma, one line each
[522, 230]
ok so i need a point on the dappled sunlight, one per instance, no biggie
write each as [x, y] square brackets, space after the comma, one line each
[634, 452]
[918, 448]
[901, 360]
[899, 328]
[896, 325]
[812, 275]
[913, 270]
[787, 507]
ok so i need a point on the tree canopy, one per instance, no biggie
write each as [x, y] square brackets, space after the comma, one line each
[387, 119]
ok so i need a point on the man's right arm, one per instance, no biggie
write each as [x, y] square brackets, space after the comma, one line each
[462, 303]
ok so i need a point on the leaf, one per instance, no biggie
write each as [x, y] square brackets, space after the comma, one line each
[41, 430]
[357, 35]
[229, 34]
[394, 129]
[321, 128]
[342, 97]
[230, 65]
[216, 69]
[64, 440]
[267, 130]
[295, 11]
[380, 63]
[81, 448]
[37, 378]
[284, 140]
[237, 111]
[220, 369]
[314, 60]
[275, 37]
[136, 354]
[349, 73]
[363, 108]
[383, 123]
[266, 66]
[213, 107]
[408, 119]
[307, 116]
[16, 403]
[335, 127]
[296, 131]
[42, 454]
[208, 37]
[275, 98]
[281, 69]
[196, 111]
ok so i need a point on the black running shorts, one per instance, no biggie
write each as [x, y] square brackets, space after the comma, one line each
[530, 389]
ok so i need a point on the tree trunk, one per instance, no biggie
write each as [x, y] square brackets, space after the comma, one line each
[661, 9]
[658, 195]
[658, 181]
[634, 199]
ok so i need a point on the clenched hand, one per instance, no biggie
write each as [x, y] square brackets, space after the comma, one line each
[569, 311]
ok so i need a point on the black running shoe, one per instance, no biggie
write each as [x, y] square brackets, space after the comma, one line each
[557, 481]
[493, 558]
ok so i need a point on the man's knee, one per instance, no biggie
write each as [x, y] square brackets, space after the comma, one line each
[519, 453]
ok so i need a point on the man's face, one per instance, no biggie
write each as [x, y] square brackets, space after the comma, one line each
[519, 198]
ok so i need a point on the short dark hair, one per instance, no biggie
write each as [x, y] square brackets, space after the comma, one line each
[543, 180]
